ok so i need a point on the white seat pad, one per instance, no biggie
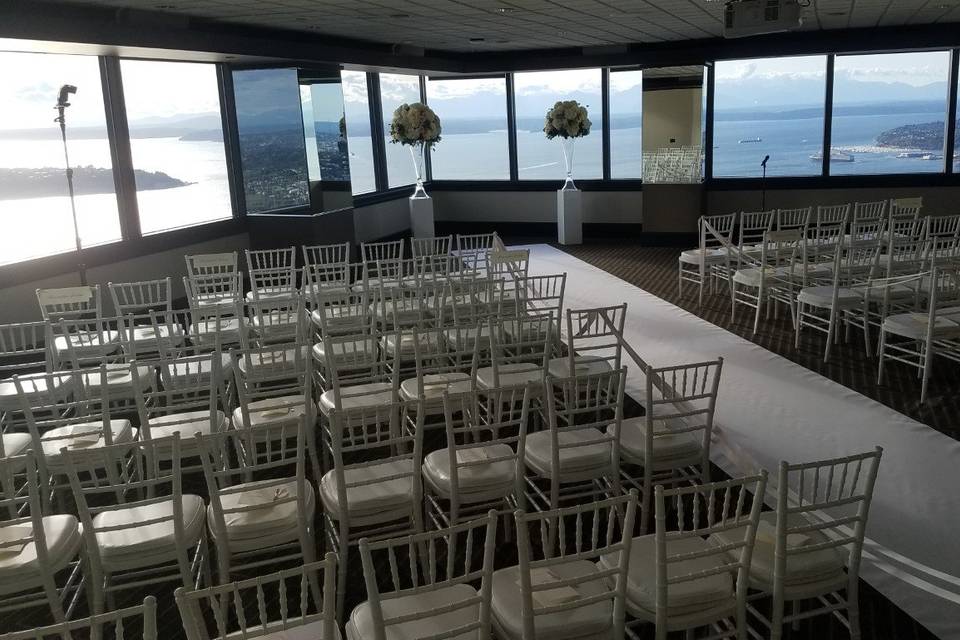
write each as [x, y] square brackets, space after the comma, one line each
[369, 499]
[802, 568]
[146, 545]
[710, 256]
[753, 277]
[361, 625]
[576, 459]
[823, 296]
[167, 334]
[340, 318]
[463, 338]
[276, 411]
[683, 598]
[14, 443]
[268, 519]
[186, 424]
[434, 384]
[86, 435]
[285, 631]
[89, 342]
[119, 379]
[18, 571]
[407, 343]
[667, 447]
[914, 325]
[34, 388]
[583, 366]
[511, 374]
[271, 293]
[360, 352]
[372, 394]
[486, 478]
[206, 330]
[588, 621]
[278, 360]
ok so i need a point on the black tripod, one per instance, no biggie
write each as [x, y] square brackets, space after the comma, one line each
[61, 107]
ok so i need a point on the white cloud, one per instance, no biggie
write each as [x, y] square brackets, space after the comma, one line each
[452, 89]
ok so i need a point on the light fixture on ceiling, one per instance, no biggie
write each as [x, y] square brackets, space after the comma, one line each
[478, 40]
[166, 6]
[504, 10]
[835, 14]
[399, 16]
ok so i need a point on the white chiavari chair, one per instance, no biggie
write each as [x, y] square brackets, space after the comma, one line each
[440, 369]
[801, 547]
[509, 264]
[347, 315]
[670, 443]
[695, 576]
[559, 590]
[481, 466]
[769, 280]
[521, 358]
[373, 488]
[322, 280]
[39, 554]
[23, 352]
[141, 296]
[466, 310]
[539, 295]
[212, 264]
[798, 219]
[577, 458]
[443, 591]
[697, 265]
[136, 623]
[93, 337]
[752, 226]
[906, 207]
[593, 339]
[384, 276]
[279, 320]
[380, 251]
[262, 507]
[869, 210]
[281, 258]
[272, 272]
[139, 528]
[473, 250]
[915, 337]
[942, 226]
[438, 246]
[326, 254]
[209, 295]
[280, 606]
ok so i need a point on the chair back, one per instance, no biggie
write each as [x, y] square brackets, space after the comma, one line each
[426, 562]
[470, 302]
[345, 313]
[266, 605]
[942, 226]
[906, 207]
[541, 294]
[190, 392]
[269, 283]
[269, 259]
[522, 344]
[143, 296]
[275, 320]
[23, 349]
[379, 251]
[722, 224]
[869, 210]
[559, 573]
[833, 214]
[753, 225]
[213, 293]
[141, 619]
[211, 264]
[509, 265]
[437, 246]
[596, 334]
[326, 254]
[21, 505]
[788, 219]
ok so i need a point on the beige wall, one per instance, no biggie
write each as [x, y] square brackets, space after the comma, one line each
[671, 113]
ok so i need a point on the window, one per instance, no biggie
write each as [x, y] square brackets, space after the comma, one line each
[774, 107]
[176, 139]
[888, 113]
[324, 131]
[956, 137]
[535, 93]
[626, 119]
[272, 150]
[357, 121]
[394, 91]
[473, 144]
[34, 205]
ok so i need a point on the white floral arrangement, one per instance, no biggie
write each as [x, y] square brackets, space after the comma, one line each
[415, 124]
[567, 119]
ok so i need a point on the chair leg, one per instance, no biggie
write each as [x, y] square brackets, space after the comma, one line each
[831, 331]
[880, 351]
[797, 325]
[853, 609]
[927, 364]
[680, 281]
[344, 552]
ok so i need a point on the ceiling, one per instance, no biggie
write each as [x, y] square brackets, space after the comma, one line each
[455, 25]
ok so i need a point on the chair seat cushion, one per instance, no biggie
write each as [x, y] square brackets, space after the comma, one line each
[710, 256]
[205, 331]
[823, 296]
[915, 325]
[187, 424]
[590, 458]
[119, 380]
[184, 373]
[271, 293]
[408, 343]
[14, 443]
[35, 390]
[166, 334]
[480, 481]
[683, 598]
[145, 545]
[389, 490]
[587, 621]
[409, 311]
[19, 566]
[511, 374]
[434, 384]
[429, 624]
[668, 448]
[86, 435]
[463, 338]
[89, 343]
[273, 520]
[583, 366]
[361, 352]
[341, 318]
[359, 396]
[802, 568]
[285, 631]
[275, 411]
[274, 361]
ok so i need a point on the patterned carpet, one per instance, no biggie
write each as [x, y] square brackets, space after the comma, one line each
[654, 269]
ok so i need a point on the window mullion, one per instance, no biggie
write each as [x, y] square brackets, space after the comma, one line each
[118, 132]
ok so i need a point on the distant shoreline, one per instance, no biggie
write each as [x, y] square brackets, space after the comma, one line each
[19, 184]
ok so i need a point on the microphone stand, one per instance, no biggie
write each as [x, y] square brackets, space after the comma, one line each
[763, 185]
[81, 267]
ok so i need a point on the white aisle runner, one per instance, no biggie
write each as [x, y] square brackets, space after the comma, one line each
[771, 409]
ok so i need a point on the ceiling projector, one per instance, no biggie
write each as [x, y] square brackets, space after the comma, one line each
[753, 17]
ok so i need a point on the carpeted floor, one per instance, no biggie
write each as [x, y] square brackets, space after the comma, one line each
[654, 269]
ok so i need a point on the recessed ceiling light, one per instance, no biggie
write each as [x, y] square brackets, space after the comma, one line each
[399, 16]
[835, 13]
[505, 10]
[478, 39]
[166, 6]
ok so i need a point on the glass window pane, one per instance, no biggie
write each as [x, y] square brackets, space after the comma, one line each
[772, 106]
[956, 138]
[396, 90]
[473, 144]
[626, 119]
[356, 106]
[272, 149]
[176, 138]
[889, 113]
[323, 122]
[34, 205]
[535, 93]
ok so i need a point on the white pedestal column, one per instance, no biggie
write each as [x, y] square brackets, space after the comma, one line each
[421, 217]
[570, 217]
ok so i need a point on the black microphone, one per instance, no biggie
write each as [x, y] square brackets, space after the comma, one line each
[764, 163]
[65, 92]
